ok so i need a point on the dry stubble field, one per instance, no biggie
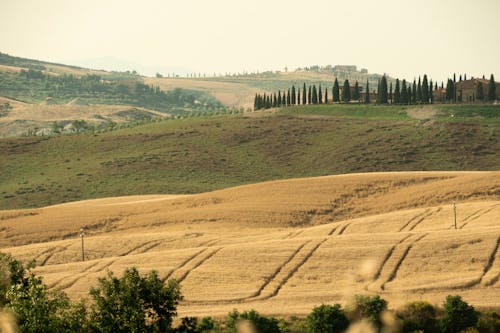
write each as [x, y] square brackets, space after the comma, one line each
[281, 247]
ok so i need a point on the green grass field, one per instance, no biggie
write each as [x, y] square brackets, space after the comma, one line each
[200, 154]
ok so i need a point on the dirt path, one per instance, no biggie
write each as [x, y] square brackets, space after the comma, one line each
[422, 113]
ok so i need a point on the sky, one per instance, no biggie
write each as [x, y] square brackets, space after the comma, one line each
[398, 37]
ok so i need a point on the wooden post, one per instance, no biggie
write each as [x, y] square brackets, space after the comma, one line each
[455, 212]
[82, 233]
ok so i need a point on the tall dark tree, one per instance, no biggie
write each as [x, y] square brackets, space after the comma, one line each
[454, 87]
[279, 98]
[450, 91]
[355, 93]
[326, 95]
[479, 91]
[492, 89]
[304, 94]
[404, 93]
[309, 95]
[419, 91]
[283, 99]
[335, 91]
[314, 95]
[298, 95]
[346, 92]
[465, 77]
[414, 92]
[293, 97]
[367, 93]
[397, 93]
[275, 101]
[425, 90]
[288, 98]
[431, 95]
[320, 95]
[382, 93]
[390, 93]
[256, 102]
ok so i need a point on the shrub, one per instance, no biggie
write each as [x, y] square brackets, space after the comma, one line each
[369, 307]
[417, 316]
[188, 325]
[260, 323]
[327, 319]
[133, 303]
[458, 315]
[206, 324]
[489, 322]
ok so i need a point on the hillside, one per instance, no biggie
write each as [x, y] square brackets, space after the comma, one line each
[282, 247]
[200, 154]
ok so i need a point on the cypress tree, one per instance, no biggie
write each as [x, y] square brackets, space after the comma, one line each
[404, 93]
[431, 95]
[390, 93]
[454, 87]
[288, 98]
[414, 93]
[293, 95]
[326, 95]
[283, 99]
[397, 93]
[425, 90]
[335, 91]
[419, 91]
[355, 93]
[298, 95]
[275, 100]
[465, 77]
[367, 93]
[450, 91]
[304, 94]
[264, 102]
[309, 95]
[268, 102]
[279, 98]
[492, 89]
[346, 92]
[320, 95]
[256, 103]
[460, 78]
[314, 95]
[382, 93]
[479, 91]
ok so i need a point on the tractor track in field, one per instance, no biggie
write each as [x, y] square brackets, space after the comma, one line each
[51, 254]
[387, 256]
[182, 264]
[396, 268]
[198, 264]
[476, 216]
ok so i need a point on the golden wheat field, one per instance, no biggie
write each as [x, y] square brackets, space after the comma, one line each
[281, 247]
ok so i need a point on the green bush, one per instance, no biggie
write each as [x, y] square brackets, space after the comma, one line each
[458, 315]
[260, 323]
[206, 324]
[327, 319]
[369, 307]
[489, 322]
[417, 316]
[133, 303]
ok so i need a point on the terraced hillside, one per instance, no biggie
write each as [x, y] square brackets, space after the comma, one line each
[281, 247]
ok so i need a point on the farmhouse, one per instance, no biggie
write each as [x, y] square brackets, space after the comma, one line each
[466, 90]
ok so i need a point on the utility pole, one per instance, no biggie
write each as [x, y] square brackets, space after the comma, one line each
[455, 212]
[82, 233]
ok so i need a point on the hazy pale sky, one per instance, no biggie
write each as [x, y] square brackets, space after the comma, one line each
[399, 37]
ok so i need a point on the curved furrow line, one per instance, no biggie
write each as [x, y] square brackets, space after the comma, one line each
[420, 220]
[55, 283]
[136, 248]
[61, 249]
[182, 264]
[333, 230]
[198, 264]
[491, 260]
[387, 256]
[413, 219]
[82, 275]
[294, 270]
[394, 272]
[50, 249]
[278, 270]
[342, 230]
[478, 216]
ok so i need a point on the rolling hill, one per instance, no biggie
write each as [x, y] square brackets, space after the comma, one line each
[281, 247]
[199, 154]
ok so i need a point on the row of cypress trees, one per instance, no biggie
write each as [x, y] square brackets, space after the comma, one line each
[418, 92]
[307, 95]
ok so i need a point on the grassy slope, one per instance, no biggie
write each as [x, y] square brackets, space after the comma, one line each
[201, 154]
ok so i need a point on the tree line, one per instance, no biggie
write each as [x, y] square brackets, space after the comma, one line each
[419, 91]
